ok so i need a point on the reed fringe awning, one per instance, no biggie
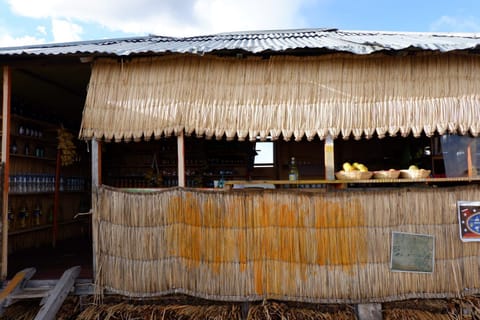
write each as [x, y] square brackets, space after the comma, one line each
[322, 247]
[283, 96]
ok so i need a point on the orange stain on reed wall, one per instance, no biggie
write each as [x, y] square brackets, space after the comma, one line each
[215, 229]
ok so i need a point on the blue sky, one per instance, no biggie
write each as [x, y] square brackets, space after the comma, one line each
[27, 22]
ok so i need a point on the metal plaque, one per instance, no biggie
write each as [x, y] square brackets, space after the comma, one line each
[412, 252]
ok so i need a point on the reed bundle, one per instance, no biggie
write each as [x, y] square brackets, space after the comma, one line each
[311, 247]
[288, 96]
[448, 309]
[268, 310]
[188, 308]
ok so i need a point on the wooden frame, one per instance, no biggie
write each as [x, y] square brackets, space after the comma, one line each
[7, 86]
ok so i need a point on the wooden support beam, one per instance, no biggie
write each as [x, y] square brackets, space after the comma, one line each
[52, 303]
[329, 159]
[15, 286]
[6, 101]
[469, 161]
[56, 199]
[96, 163]
[181, 159]
[96, 182]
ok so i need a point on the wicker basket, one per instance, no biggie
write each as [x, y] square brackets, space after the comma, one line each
[353, 175]
[386, 174]
[414, 174]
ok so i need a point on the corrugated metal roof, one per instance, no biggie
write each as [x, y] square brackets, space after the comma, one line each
[356, 42]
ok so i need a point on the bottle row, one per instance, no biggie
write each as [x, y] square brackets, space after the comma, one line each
[24, 217]
[24, 130]
[31, 183]
[38, 151]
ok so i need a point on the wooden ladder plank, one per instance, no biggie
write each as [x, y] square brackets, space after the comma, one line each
[52, 303]
[15, 286]
[28, 293]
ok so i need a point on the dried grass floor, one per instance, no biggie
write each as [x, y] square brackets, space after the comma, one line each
[188, 308]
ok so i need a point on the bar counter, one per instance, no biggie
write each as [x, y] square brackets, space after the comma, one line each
[289, 244]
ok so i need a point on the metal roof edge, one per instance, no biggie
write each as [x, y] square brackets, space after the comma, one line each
[255, 41]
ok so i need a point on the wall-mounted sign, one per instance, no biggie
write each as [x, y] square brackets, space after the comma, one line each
[469, 220]
[412, 252]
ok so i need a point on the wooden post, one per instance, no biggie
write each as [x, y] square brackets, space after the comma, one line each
[96, 164]
[469, 160]
[6, 100]
[181, 159]
[96, 182]
[329, 159]
[56, 200]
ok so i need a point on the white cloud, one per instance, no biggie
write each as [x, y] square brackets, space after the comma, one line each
[66, 31]
[42, 30]
[169, 17]
[7, 40]
[455, 24]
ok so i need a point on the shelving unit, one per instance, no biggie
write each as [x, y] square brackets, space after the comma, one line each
[35, 210]
[150, 164]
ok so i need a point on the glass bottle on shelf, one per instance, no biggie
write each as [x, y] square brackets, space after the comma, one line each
[11, 219]
[22, 216]
[293, 171]
[13, 147]
[37, 212]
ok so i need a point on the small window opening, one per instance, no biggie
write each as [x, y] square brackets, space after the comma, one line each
[264, 157]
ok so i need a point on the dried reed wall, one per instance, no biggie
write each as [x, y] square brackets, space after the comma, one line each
[311, 247]
[283, 96]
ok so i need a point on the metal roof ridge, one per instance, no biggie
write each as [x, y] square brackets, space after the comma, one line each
[85, 42]
[424, 33]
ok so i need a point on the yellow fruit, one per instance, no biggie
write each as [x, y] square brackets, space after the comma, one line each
[362, 168]
[413, 167]
[347, 167]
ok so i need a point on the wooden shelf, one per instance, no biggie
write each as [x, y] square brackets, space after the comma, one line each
[30, 229]
[43, 227]
[366, 181]
[46, 193]
[43, 140]
[38, 122]
[19, 155]
[40, 193]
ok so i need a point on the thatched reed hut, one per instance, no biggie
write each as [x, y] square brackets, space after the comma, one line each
[167, 119]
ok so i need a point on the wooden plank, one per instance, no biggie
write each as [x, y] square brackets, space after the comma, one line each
[52, 303]
[15, 286]
[17, 282]
[31, 294]
[6, 100]
[181, 159]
